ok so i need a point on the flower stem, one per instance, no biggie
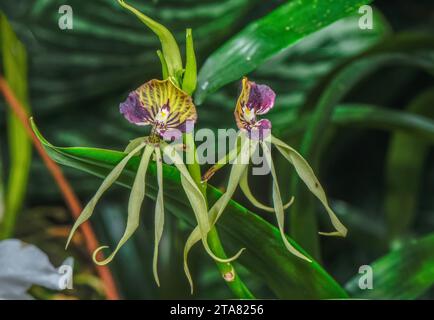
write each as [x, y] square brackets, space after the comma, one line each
[227, 270]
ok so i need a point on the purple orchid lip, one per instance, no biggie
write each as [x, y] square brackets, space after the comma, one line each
[255, 99]
[261, 97]
[132, 110]
[160, 104]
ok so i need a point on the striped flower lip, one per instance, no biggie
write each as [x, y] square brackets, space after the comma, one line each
[255, 99]
[162, 105]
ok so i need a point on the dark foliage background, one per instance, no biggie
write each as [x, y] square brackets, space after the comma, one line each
[379, 177]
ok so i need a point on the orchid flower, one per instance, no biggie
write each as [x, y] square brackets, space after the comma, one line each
[169, 110]
[254, 100]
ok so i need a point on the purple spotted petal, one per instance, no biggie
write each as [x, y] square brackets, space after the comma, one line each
[261, 98]
[260, 130]
[133, 110]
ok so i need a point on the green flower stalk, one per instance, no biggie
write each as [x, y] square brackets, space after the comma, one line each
[256, 99]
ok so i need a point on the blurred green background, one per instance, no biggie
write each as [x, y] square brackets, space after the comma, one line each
[375, 159]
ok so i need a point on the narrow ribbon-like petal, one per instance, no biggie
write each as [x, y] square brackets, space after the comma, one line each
[278, 206]
[108, 181]
[198, 204]
[244, 185]
[159, 213]
[306, 174]
[134, 205]
[238, 167]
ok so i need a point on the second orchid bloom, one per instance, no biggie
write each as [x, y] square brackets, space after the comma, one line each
[254, 100]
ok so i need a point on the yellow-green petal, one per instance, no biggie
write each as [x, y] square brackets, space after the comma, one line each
[238, 167]
[134, 204]
[306, 174]
[108, 181]
[197, 201]
[244, 185]
[134, 144]
[159, 213]
[278, 206]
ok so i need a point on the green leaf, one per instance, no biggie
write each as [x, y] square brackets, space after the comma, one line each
[405, 273]
[407, 155]
[295, 71]
[14, 62]
[286, 25]
[266, 256]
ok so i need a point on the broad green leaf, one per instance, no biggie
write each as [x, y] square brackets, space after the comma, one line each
[406, 155]
[286, 25]
[401, 49]
[14, 65]
[404, 273]
[290, 277]
[295, 71]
